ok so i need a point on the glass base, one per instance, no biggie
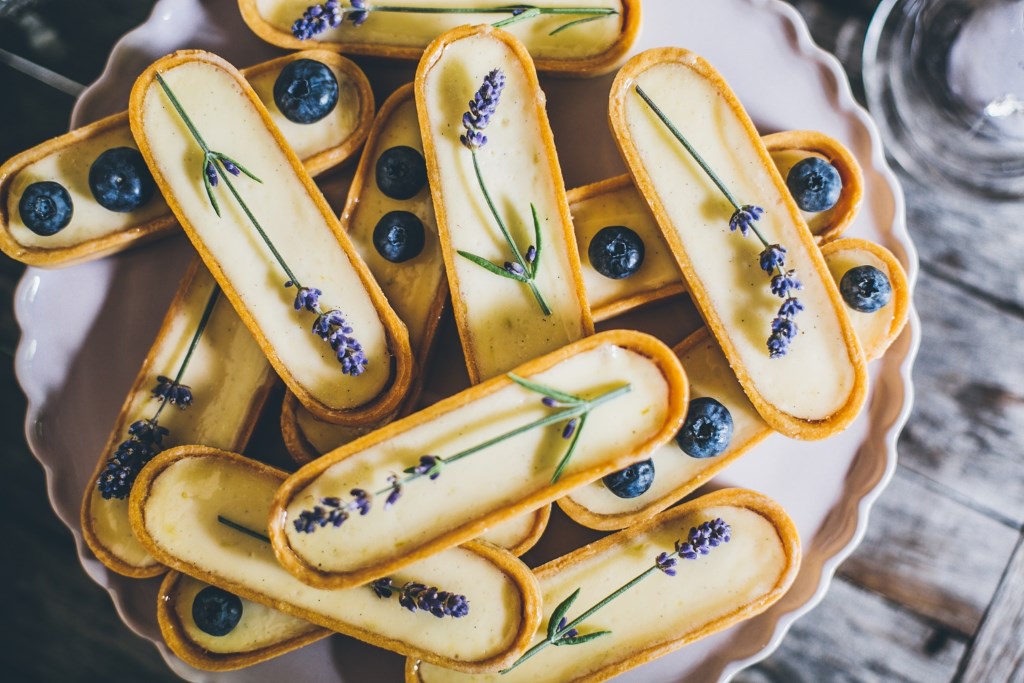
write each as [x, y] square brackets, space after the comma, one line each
[945, 81]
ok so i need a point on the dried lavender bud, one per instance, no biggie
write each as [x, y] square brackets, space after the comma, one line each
[481, 108]
[230, 167]
[148, 432]
[773, 256]
[396, 491]
[361, 501]
[514, 268]
[666, 563]
[745, 217]
[429, 464]
[384, 588]
[413, 596]
[790, 307]
[570, 428]
[308, 298]
[571, 633]
[121, 470]
[172, 392]
[211, 174]
[703, 538]
[549, 402]
[531, 254]
[783, 283]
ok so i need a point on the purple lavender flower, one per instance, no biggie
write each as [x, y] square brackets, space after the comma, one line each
[172, 392]
[666, 563]
[384, 588]
[744, 217]
[790, 307]
[784, 331]
[361, 501]
[318, 18]
[481, 108]
[230, 167]
[703, 538]
[531, 254]
[570, 428]
[773, 256]
[514, 268]
[361, 13]
[333, 329]
[148, 432]
[396, 491]
[413, 596]
[571, 633]
[429, 464]
[122, 468]
[783, 283]
[549, 402]
[308, 298]
[784, 327]
[211, 174]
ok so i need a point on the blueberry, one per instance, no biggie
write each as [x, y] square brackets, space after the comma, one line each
[865, 289]
[815, 184]
[306, 91]
[616, 252]
[632, 481]
[399, 236]
[401, 172]
[707, 430]
[120, 181]
[45, 208]
[216, 611]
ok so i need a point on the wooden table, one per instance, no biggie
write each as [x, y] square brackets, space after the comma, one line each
[935, 592]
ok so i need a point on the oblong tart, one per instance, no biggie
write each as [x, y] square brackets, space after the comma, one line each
[94, 231]
[274, 234]
[676, 474]
[588, 49]
[228, 378]
[503, 321]
[178, 510]
[616, 202]
[490, 453]
[817, 386]
[735, 580]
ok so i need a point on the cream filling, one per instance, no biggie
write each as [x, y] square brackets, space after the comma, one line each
[815, 379]
[658, 610]
[872, 329]
[219, 110]
[503, 325]
[418, 30]
[70, 167]
[181, 517]
[489, 480]
[226, 371]
[260, 626]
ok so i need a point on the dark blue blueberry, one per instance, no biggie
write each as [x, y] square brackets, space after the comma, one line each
[616, 252]
[399, 236]
[632, 481]
[815, 184]
[401, 172]
[120, 181]
[306, 91]
[216, 611]
[707, 430]
[865, 289]
[45, 208]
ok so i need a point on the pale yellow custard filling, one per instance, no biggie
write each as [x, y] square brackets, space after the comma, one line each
[70, 166]
[659, 609]
[817, 377]
[418, 30]
[501, 323]
[492, 479]
[181, 514]
[293, 222]
[227, 373]
[259, 627]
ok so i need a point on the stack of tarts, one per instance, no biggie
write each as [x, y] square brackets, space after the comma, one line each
[404, 523]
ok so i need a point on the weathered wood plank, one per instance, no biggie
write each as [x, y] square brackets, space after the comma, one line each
[921, 545]
[967, 429]
[997, 653]
[855, 636]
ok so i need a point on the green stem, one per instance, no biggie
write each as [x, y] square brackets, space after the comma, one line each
[583, 617]
[508, 237]
[245, 530]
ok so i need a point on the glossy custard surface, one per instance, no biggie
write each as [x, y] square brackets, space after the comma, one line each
[817, 377]
[226, 372]
[181, 516]
[259, 627]
[490, 479]
[503, 324]
[657, 610]
[418, 30]
[219, 110]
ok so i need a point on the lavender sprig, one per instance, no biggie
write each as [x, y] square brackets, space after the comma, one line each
[699, 542]
[414, 596]
[334, 511]
[145, 437]
[411, 595]
[524, 268]
[329, 325]
[331, 14]
[771, 260]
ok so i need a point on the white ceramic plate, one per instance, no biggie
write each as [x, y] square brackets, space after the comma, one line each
[87, 328]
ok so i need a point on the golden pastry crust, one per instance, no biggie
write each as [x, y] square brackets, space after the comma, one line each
[161, 225]
[595, 65]
[750, 500]
[194, 654]
[179, 306]
[575, 276]
[780, 420]
[873, 349]
[642, 344]
[397, 336]
[518, 574]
